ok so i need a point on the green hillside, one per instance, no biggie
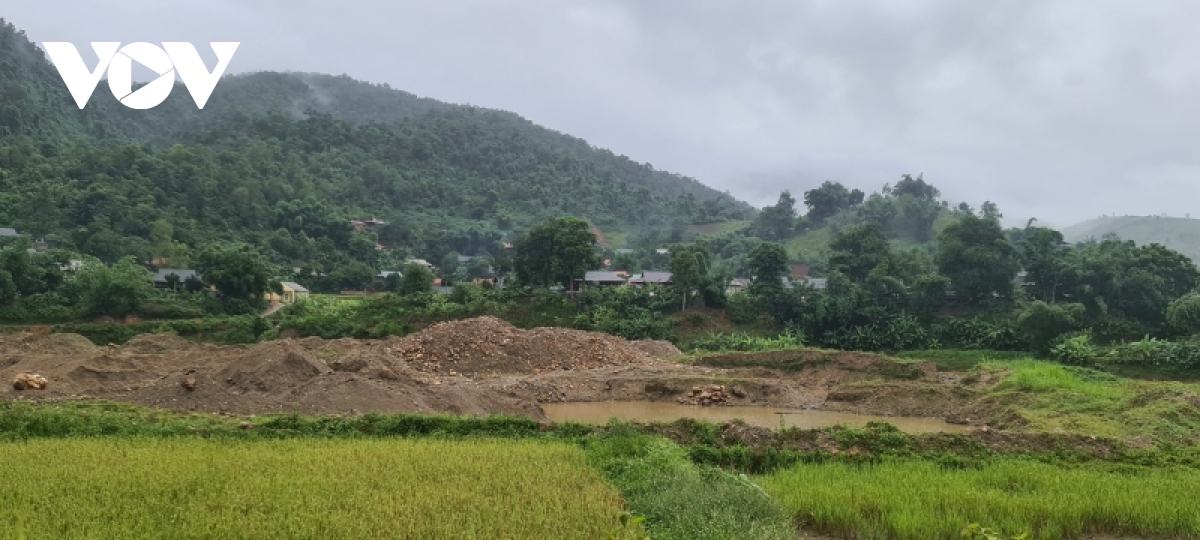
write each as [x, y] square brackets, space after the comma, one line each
[1179, 234]
[286, 160]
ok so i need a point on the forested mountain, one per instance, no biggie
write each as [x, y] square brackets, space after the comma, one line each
[1179, 234]
[286, 160]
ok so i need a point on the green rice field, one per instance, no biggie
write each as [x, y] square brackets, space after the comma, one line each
[302, 488]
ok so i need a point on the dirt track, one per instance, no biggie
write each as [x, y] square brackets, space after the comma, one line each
[478, 366]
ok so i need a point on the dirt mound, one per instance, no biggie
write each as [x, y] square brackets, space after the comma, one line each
[40, 343]
[156, 343]
[657, 348]
[273, 366]
[490, 345]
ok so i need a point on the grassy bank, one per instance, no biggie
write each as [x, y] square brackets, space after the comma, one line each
[1038, 396]
[921, 500]
[200, 488]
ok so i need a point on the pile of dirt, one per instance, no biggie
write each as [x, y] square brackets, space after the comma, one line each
[41, 343]
[489, 345]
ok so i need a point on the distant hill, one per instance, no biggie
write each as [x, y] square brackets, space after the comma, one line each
[285, 160]
[1179, 234]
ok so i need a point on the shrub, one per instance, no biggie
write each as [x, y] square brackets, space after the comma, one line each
[1075, 350]
[1182, 355]
[1183, 314]
[1041, 323]
[741, 309]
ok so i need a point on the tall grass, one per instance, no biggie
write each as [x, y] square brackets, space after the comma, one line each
[921, 500]
[681, 500]
[312, 488]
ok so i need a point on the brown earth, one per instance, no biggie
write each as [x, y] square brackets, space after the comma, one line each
[476, 366]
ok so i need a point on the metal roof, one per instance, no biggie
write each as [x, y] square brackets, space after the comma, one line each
[182, 274]
[293, 286]
[599, 276]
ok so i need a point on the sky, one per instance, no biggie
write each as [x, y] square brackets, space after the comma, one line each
[1059, 110]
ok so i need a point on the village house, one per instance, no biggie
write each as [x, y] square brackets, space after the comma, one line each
[175, 278]
[651, 278]
[292, 292]
[602, 278]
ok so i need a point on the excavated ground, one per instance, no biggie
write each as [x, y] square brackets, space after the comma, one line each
[476, 366]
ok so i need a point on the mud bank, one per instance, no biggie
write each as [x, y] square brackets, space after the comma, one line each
[477, 366]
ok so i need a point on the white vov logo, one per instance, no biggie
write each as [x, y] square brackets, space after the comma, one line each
[178, 56]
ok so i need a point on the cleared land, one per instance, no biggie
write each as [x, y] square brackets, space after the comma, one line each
[302, 488]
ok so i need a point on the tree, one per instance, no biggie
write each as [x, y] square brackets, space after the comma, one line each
[978, 258]
[236, 270]
[916, 188]
[686, 273]
[768, 265]
[417, 279]
[1183, 314]
[777, 222]
[117, 291]
[1045, 257]
[354, 275]
[989, 210]
[162, 243]
[860, 249]
[557, 251]
[827, 200]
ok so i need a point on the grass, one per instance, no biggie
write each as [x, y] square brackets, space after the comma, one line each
[681, 500]
[922, 500]
[202, 488]
[1054, 398]
[960, 359]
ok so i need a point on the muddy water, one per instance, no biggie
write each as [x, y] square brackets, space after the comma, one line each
[601, 412]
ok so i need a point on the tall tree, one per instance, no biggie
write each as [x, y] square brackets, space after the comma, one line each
[686, 274]
[768, 265]
[558, 251]
[978, 258]
[777, 222]
[830, 198]
[859, 250]
[236, 270]
[416, 279]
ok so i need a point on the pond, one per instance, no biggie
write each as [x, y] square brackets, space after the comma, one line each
[771, 417]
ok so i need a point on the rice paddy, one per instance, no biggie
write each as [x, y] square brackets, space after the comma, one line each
[302, 488]
[921, 500]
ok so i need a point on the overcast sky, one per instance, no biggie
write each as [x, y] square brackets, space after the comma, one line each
[1060, 110]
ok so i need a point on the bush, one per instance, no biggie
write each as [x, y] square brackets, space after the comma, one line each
[1041, 323]
[978, 333]
[1150, 352]
[1075, 350]
[902, 333]
[1183, 314]
[741, 309]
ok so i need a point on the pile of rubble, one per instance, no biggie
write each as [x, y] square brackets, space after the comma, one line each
[29, 381]
[715, 394]
[487, 345]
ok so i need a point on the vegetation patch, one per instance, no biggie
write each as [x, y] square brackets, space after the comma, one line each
[906, 499]
[202, 488]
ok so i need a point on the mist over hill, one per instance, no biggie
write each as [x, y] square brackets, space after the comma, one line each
[1179, 234]
[287, 160]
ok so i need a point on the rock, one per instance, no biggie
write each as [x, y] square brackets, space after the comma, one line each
[29, 381]
[189, 383]
[386, 373]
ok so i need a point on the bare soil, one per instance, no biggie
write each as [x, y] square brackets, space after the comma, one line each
[477, 366]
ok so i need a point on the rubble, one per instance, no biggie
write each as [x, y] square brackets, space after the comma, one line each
[29, 381]
[715, 394]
